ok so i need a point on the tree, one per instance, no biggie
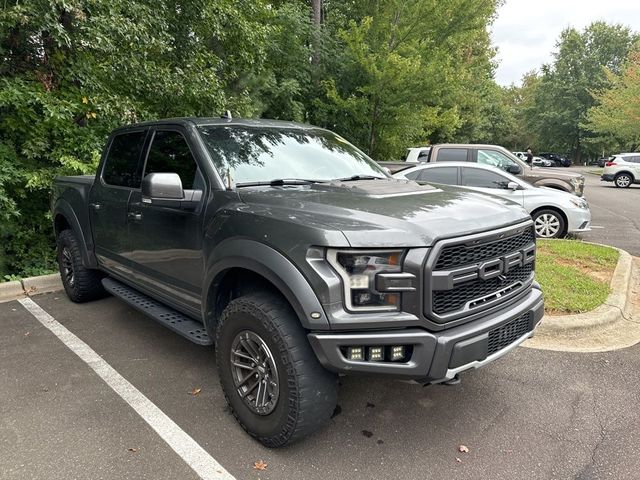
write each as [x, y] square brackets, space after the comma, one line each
[405, 72]
[616, 117]
[563, 96]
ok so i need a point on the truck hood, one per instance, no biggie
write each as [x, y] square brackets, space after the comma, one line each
[386, 213]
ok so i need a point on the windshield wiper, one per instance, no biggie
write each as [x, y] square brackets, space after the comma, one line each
[353, 178]
[279, 181]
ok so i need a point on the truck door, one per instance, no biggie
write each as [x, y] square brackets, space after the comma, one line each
[120, 175]
[166, 241]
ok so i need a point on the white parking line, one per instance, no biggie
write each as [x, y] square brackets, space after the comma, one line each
[186, 447]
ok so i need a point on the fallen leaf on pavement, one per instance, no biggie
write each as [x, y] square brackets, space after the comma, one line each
[132, 449]
[458, 460]
[260, 465]
[195, 391]
[463, 449]
[27, 334]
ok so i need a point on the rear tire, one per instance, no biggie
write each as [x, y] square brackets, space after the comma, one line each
[549, 224]
[81, 284]
[623, 180]
[262, 353]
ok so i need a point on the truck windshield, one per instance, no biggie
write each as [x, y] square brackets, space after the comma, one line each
[249, 155]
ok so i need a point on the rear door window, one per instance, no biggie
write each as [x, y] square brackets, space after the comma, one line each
[452, 155]
[122, 167]
[481, 178]
[170, 153]
[446, 175]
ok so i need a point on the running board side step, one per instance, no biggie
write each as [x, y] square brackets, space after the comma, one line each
[168, 317]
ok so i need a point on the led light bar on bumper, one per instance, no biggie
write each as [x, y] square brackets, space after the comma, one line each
[372, 279]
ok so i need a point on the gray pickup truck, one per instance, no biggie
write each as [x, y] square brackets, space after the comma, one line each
[496, 156]
[299, 258]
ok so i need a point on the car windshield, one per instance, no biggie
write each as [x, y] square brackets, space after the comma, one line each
[250, 155]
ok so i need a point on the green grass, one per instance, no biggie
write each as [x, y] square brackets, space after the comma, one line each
[597, 171]
[574, 276]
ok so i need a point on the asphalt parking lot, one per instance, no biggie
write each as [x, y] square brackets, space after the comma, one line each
[615, 212]
[533, 414]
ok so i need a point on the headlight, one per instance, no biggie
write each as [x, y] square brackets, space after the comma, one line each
[579, 202]
[360, 271]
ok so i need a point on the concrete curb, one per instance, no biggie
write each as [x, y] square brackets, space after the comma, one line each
[42, 284]
[11, 291]
[607, 327]
[30, 286]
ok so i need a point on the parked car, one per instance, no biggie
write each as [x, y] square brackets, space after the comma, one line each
[555, 213]
[623, 170]
[299, 258]
[559, 160]
[417, 154]
[500, 157]
[542, 162]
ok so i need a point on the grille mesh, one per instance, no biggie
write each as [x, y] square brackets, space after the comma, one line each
[457, 255]
[449, 300]
[505, 335]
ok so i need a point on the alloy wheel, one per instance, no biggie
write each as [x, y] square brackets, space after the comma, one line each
[623, 181]
[547, 225]
[67, 266]
[254, 372]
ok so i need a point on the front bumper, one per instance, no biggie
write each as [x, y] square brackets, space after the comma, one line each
[579, 220]
[436, 356]
[607, 177]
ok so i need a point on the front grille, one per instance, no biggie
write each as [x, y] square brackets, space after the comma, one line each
[505, 335]
[468, 278]
[449, 300]
[457, 255]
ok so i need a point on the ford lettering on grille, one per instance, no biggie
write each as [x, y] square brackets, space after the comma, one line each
[478, 273]
[497, 267]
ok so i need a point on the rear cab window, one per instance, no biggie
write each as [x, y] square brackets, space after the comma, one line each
[452, 155]
[122, 166]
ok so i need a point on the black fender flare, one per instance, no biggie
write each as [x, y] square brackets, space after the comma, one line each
[64, 208]
[272, 265]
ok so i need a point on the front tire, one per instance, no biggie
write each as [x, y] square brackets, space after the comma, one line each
[549, 224]
[623, 180]
[81, 284]
[274, 384]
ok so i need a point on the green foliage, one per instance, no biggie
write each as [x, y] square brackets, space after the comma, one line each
[386, 74]
[616, 116]
[563, 97]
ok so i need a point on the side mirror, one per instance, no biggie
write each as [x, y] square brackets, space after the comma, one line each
[514, 169]
[162, 186]
[513, 186]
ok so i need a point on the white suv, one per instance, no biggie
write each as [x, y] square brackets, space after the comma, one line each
[623, 170]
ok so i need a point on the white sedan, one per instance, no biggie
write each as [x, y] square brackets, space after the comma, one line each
[555, 213]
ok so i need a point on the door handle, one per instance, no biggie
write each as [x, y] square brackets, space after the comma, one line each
[95, 206]
[133, 216]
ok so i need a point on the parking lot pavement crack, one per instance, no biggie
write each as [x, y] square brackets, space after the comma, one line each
[588, 471]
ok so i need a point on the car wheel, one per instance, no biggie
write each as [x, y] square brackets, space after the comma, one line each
[623, 180]
[81, 284]
[272, 380]
[548, 224]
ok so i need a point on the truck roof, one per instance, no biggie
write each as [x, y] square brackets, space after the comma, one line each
[198, 121]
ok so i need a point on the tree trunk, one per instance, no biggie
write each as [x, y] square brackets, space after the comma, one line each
[316, 18]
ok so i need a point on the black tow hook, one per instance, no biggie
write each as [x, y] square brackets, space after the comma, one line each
[454, 381]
